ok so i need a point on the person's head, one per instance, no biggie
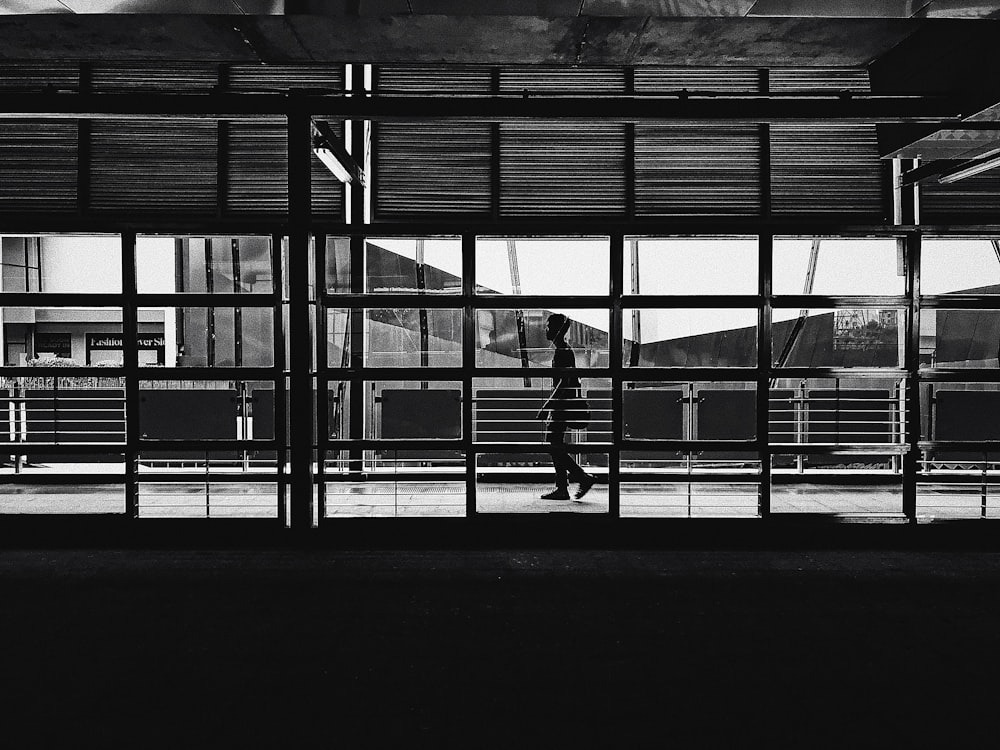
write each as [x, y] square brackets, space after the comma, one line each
[556, 327]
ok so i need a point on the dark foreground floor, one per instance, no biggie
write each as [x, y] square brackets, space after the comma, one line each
[488, 649]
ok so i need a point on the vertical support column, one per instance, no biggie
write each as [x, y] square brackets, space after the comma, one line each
[130, 361]
[469, 326]
[615, 356]
[280, 365]
[356, 360]
[764, 353]
[911, 459]
[322, 373]
[300, 435]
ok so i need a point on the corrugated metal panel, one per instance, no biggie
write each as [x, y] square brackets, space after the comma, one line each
[432, 167]
[161, 165]
[284, 77]
[558, 168]
[654, 80]
[28, 76]
[709, 170]
[549, 79]
[120, 77]
[974, 199]
[823, 169]
[432, 79]
[786, 80]
[38, 165]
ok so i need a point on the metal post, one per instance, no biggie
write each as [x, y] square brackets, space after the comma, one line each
[468, 366]
[130, 363]
[299, 339]
[615, 365]
[765, 274]
[912, 365]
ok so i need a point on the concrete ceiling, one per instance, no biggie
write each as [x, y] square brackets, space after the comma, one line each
[550, 8]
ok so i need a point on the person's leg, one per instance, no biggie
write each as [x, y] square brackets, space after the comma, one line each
[555, 434]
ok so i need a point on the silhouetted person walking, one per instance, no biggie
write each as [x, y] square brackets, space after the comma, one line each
[555, 413]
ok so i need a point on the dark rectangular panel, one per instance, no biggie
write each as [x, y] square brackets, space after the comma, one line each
[418, 414]
[188, 414]
[653, 414]
[727, 414]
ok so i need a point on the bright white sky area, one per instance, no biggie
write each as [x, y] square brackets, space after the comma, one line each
[698, 266]
[678, 266]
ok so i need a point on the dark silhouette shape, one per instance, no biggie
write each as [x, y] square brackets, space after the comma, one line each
[554, 412]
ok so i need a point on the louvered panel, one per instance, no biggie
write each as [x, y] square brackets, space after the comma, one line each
[283, 77]
[557, 168]
[974, 199]
[258, 168]
[120, 77]
[654, 80]
[30, 76]
[37, 165]
[161, 165]
[712, 170]
[786, 80]
[549, 79]
[817, 169]
[432, 167]
[258, 173]
[432, 79]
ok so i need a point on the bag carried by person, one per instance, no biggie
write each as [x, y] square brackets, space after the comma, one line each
[575, 412]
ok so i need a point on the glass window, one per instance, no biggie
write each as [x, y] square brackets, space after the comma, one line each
[689, 337]
[868, 337]
[59, 336]
[403, 337]
[831, 266]
[206, 336]
[959, 338]
[62, 264]
[960, 266]
[516, 338]
[696, 265]
[554, 267]
[214, 265]
[430, 265]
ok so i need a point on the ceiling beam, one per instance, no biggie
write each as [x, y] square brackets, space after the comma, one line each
[749, 108]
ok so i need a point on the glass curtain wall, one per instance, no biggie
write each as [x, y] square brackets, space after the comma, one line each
[150, 393]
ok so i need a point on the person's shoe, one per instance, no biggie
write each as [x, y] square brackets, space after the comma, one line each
[556, 494]
[585, 485]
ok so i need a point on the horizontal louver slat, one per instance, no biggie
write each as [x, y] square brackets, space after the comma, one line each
[548, 79]
[684, 171]
[823, 169]
[786, 80]
[161, 165]
[38, 162]
[974, 199]
[432, 79]
[653, 80]
[284, 77]
[115, 78]
[432, 167]
[34, 76]
[558, 169]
